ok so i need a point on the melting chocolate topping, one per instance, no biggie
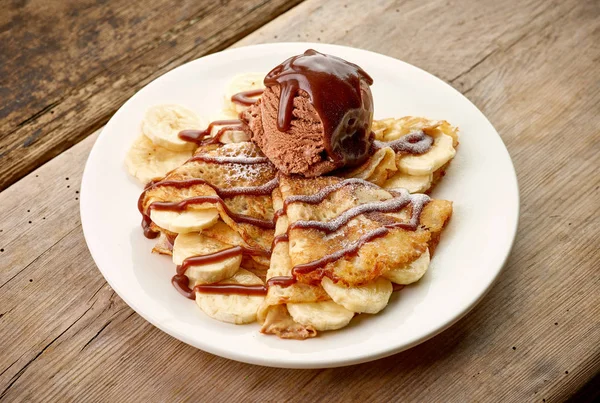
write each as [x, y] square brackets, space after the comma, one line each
[339, 92]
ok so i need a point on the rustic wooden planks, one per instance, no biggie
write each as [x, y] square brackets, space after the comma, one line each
[530, 66]
[67, 66]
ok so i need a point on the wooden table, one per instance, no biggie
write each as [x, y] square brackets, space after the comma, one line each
[532, 66]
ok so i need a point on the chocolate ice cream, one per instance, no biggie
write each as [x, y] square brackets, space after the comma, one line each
[314, 116]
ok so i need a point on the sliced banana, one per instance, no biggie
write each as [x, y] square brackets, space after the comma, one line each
[183, 222]
[162, 124]
[146, 161]
[370, 298]
[411, 272]
[380, 166]
[241, 83]
[232, 308]
[440, 153]
[195, 244]
[412, 183]
[326, 315]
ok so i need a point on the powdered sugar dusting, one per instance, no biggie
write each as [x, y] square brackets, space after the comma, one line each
[412, 143]
[326, 191]
[402, 199]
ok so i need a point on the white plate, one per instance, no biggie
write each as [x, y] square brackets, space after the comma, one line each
[481, 181]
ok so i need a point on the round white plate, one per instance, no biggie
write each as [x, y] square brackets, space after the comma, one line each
[481, 182]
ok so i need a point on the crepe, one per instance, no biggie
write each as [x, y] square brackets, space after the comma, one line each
[410, 152]
[326, 216]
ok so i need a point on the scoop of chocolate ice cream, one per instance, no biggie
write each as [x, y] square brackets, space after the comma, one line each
[314, 116]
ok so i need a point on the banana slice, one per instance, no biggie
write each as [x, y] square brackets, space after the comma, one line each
[412, 183]
[380, 166]
[146, 161]
[440, 153]
[411, 272]
[241, 83]
[370, 298]
[183, 222]
[195, 244]
[326, 315]
[232, 308]
[162, 124]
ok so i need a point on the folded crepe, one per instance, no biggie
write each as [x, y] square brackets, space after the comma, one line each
[410, 152]
[339, 244]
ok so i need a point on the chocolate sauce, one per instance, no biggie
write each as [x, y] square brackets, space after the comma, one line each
[278, 214]
[180, 280]
[324, 193]
[219, 257]
[246, 98]
[386, 206]
[418, 202]
[261, 190]
[339, 92]
[146, 221]
[182, 284]
[282, 281]
[397, 287]
[279, 238]
[413, 143]
[240, 289]
[148, 231]
[239, 218]
[197, 136]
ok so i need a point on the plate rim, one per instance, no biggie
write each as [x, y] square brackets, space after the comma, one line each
[361, 355]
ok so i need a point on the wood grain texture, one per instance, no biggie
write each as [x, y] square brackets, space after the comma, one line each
[67, 66]
[531, 66]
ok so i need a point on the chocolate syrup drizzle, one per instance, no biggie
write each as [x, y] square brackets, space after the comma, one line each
[257, 289]
[334, 89]
[246, 98]
[197, 136]
[181, 281]
[387, 206]
[413, 143]
[219, 256]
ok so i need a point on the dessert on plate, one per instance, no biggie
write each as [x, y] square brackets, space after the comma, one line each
[294, 208]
